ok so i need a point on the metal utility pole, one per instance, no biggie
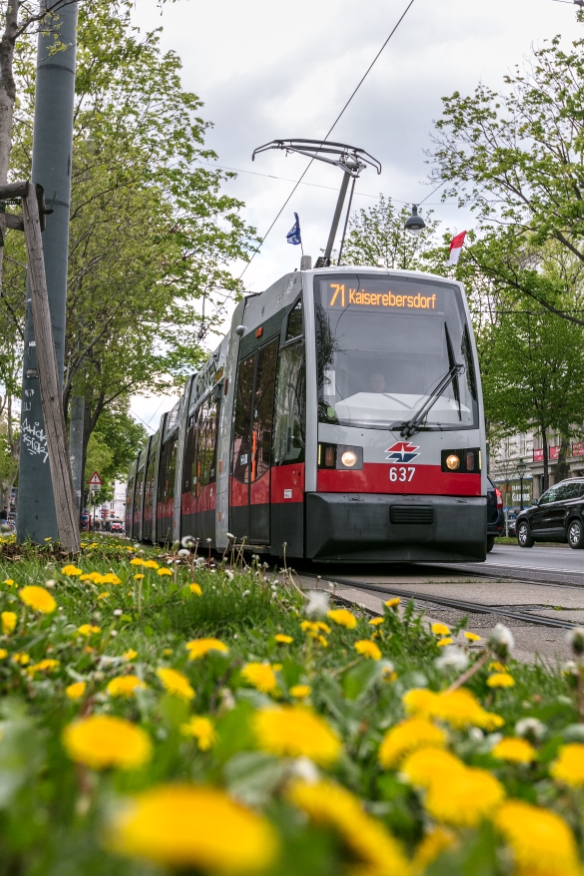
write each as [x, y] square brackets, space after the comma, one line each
[51, 167]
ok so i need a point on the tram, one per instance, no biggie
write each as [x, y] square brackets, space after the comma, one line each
[341, 416]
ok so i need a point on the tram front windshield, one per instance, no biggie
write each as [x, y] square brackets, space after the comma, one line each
[384, 347]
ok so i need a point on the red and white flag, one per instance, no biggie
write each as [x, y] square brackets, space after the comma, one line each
[455, 247]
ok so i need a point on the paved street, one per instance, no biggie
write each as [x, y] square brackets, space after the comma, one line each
[557, 564]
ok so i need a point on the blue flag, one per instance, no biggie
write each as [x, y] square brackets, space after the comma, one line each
[293, 235]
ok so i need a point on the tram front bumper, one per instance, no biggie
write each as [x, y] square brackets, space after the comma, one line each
[372, 527]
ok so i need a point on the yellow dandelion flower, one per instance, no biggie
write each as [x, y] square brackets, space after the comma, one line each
[261, 676]
[440, 629]
[472, 637]
[516, 750]
[198, 648]
[3, 653]
[124, 686]
[331, 805]
[283, 639]
[110, 578]
[408, 736]
[9, 620]
[434, 843]
[151, 564]
[201, 729]
[104, 595]
[446, 641]
[321, 641]
[501, 679]
[393, 602]
[85, 577]
[541, 841]
[343, 617]
[38, 599]
[459, 708]
[76, 690]
[196, 589]
[296, 731]
[498, 667]
[167, 652]
[10, 582]
[130, 654]
[21, 658]
[569, 766]
[300, 691]
[103, 741]
[314, 627]
[136, 562]
[184, 827]
[45, 665]
[139, 576]
[71, 571]
[367, 648]
[88, 630]
[470, 795]
[427, 766]
[176, 683]
[164, 571]
[376, 621]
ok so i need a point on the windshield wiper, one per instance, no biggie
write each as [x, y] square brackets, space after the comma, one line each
[413, 425]
[452, 363]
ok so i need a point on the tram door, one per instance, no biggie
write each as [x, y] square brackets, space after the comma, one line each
[252, 442]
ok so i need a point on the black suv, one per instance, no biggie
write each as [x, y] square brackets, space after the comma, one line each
[557, 516]
[495, 518]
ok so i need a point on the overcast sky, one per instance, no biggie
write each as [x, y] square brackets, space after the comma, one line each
[268, 70]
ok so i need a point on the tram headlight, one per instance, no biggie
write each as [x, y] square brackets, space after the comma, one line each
[340, 456]
[466, 460]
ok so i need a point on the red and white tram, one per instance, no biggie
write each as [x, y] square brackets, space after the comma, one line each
[342, 415]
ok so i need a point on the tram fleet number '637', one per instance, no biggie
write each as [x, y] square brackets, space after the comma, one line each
[401, 473]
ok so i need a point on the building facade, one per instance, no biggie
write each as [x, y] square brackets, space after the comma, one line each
[505, 466]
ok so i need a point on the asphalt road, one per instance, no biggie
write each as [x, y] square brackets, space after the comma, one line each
[557, 564]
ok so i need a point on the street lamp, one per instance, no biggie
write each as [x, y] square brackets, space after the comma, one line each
[414, 223]
[521, 467]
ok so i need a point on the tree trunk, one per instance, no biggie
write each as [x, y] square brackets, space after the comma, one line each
[546, 468]
[562, 469]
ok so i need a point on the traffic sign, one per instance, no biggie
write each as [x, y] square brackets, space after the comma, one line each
[95, 480]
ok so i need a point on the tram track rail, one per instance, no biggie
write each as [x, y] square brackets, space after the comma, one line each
[449, 602]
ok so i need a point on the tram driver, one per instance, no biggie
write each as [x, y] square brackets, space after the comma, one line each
[376, 382]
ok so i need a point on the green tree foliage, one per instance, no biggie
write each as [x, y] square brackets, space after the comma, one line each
[532, 365]
[377, 238]
[516, 157]
[152, 231]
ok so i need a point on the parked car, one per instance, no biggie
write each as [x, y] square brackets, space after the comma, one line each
[116, 526]
[495, 518]
[557, 516]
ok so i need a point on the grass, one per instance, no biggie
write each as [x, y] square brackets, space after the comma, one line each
[58, 817]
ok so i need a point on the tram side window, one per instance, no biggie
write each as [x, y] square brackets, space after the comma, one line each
[290, 406]
[208, 442]
[129, 491]
[263, 410]
[167, 471]
[139, 485]
[294, 329]
[149, 485]
[242, 426]
[189, 460]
